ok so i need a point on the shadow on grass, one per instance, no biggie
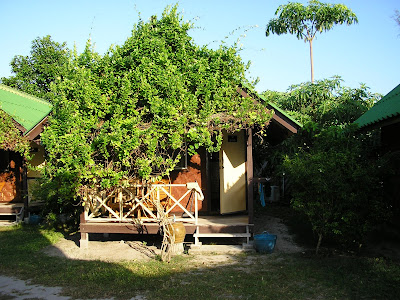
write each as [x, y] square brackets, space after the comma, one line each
[276, 276]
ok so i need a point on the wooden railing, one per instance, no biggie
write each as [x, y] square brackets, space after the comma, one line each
[138, 203]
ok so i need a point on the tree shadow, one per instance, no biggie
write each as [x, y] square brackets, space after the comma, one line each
[274, 276]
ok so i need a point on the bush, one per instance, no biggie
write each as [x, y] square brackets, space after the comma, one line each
[337, 185]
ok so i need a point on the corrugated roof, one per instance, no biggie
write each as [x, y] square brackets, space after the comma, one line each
[25, 109]
[274, 107]
[386, 108]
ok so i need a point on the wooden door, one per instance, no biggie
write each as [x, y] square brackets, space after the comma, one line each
[10, 177]
[233, 173]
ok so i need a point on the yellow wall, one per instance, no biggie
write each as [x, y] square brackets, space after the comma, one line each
[36, 161]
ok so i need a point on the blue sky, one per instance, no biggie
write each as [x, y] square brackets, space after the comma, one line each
[368, 52]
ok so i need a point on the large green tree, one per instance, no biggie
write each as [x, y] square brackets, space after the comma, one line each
[333, 176]
[335, 182]
[132, 112]
[34, 73]
[326, 102]
[306, 21]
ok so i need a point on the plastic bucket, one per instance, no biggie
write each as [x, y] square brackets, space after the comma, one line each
[265, 242]
[34, 219]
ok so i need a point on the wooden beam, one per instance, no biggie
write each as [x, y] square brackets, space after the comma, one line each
[249, 172]
[129, 228]
[25, 186]
[277, 116]
[153, 228]
[35, 131]
[280, 120]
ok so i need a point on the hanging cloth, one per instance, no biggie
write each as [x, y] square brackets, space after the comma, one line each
[261, 192]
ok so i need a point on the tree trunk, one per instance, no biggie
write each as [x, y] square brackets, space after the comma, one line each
[319, 243]
[312, 62]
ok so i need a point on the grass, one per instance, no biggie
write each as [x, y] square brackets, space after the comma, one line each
[275, 276]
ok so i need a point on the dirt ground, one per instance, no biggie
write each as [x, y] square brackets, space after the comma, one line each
[111, 250]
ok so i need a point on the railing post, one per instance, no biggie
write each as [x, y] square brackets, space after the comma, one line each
[121, 205]
[196, 208]
[158, 200]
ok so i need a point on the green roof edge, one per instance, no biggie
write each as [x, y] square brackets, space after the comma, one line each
[379, 112]
[250, 88]
[275, 107]
[30, 97]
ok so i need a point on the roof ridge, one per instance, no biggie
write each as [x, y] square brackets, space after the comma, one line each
[260, 96]
[281, 110]
[23, 94]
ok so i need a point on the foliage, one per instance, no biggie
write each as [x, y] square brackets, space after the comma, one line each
[306, 21]
[325, 102]
[317, 105]
[35, 73]
[131, 113]
[397, 17]
[10, 137]
[336, 184]
[331, 170]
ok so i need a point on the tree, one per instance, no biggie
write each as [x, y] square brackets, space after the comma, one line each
[306, 21]
[336, 185]
[397, 17]
[33, 74]
[132, 113]
[326, 102]
[331, 168]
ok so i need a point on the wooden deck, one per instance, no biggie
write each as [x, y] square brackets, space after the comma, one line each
[208, 226]
[12, 209]
[131, 210]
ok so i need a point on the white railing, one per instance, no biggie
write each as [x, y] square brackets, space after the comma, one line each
[137, 203]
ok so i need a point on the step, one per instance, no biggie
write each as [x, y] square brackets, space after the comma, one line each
[10, 210]
[224, 235]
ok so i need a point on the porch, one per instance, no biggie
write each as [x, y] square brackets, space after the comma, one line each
[229, 226]
[140, 208]
[10, 211]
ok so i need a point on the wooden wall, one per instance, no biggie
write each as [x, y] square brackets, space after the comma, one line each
[196, 171]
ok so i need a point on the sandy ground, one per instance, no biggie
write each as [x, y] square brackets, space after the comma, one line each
[285, 242]
[112, 251]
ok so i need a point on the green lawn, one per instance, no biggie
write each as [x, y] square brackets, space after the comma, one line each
[275, 276]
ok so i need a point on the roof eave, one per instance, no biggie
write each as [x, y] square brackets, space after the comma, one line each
[36, 130]
[279, 115]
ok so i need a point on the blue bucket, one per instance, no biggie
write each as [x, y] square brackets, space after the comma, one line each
[264, 242]
[34, 219]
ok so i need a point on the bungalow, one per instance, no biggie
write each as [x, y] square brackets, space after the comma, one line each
[210, 193]
[385, 116]
[29, 114]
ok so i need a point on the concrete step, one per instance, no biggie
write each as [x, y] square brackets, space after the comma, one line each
[222, 235]
[220, 249]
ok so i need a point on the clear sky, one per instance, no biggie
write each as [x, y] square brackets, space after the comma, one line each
[368, 52]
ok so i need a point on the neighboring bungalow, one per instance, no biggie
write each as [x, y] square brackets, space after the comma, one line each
[211, 193]
[29, 114]
[385, 115]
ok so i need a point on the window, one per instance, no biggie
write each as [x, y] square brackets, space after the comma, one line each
[4, 161]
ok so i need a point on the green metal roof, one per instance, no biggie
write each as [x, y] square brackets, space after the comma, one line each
[274, 107]
[386, 108]
[26, 110]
